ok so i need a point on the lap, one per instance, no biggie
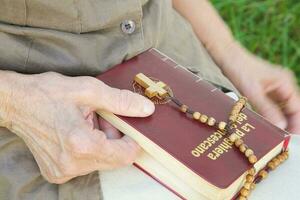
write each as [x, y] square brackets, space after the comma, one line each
[19, 174]
[20, 177]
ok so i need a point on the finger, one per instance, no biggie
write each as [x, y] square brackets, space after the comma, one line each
[290, 106]
[115, 153]
[267, 108]
[110, 131]
[286, 94]
[122, 152]
[125, 102]
[94, 145]
[294, 125]
[121, 102]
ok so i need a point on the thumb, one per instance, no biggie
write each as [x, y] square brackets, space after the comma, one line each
[121, 102]
[267, 108]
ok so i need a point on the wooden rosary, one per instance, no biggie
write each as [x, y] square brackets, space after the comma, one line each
[158, 89]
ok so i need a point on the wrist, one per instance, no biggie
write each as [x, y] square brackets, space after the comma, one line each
[233, 59]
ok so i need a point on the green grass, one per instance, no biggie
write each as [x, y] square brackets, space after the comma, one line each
[269, 28]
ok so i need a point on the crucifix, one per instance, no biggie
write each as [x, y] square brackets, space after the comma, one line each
[152, 89]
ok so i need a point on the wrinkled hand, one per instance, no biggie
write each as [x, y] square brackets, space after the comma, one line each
[272, 90]
[53, 113]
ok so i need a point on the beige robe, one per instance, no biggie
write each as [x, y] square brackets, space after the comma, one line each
[83, 37]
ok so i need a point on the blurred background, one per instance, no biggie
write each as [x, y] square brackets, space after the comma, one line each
[269, 28]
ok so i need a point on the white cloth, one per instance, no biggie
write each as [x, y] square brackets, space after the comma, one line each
[132, 184]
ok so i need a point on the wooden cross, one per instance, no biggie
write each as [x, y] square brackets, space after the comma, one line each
[152, 88]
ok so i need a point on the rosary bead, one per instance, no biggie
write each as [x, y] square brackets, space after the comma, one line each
[211, 121]
[252, 171]
[184, 108]
[239, 106]
[242, 148]
[249, 152]
[276, 161]
[285, 154]
[281, 158]
[222, 126]
[233, 118]
[271, 165]
[238, 142]
[243, 100]
[244, 192]
[252, 159]
[252, 187]
[247, 185]
[249, 178]
[263, 174]
[233, 137]
[203, 118]
[196, 115]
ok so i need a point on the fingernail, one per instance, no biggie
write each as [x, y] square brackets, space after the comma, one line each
[282, 125]
[148, 107]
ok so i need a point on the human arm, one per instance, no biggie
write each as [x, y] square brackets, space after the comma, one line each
[265, 84]
[52, 113]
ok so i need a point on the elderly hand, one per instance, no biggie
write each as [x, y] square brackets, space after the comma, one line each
[271, 89]
[53, 113]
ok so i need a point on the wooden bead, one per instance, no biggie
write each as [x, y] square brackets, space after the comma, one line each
[263, 174]
[252, 187]
[249, 178]
[285, 155]
[244, 192]
[252, 171]
[222, 126]
[238, 142]
[271, 165]
[247, 185]
[233, 118]
[184, 108]
[249, 152]
[242, 148]
[276, 161]
[242, 198]
[196, 115]
[203, 118]
[211, 121]
[243, 100]
[281, 158]
[233, 137]
[252, 159]
[239, 106]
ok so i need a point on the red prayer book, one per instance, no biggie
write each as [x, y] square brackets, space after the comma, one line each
[191, 159]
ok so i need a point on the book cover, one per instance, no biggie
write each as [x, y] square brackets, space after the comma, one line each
[195, 152]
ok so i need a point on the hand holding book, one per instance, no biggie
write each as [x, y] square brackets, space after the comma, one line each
[53, 114]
